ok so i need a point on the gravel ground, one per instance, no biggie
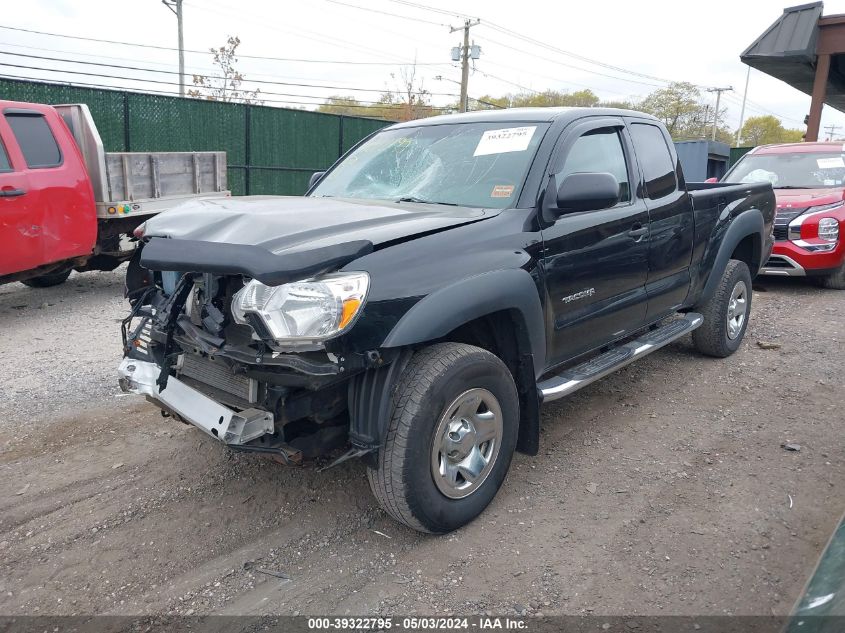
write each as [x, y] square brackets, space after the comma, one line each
[662, 489]
[59, 347]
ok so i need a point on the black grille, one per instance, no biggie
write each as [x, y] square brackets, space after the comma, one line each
[776, 261]
[782, 219]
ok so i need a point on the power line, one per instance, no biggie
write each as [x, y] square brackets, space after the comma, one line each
[171, 72]
[491, 76]
[272, 24]
[589, 60]
[77, 84]
[564, 64]
[173, 83]
[495, 42]
[395, 15]
[760, 109]
[627, 95]
[462, 16]
[188, 50]
[534, 41]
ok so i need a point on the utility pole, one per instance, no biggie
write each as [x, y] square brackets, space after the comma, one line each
[464, 58]
[831, 129]
[718, 92]
[742, 111]
[176, 7]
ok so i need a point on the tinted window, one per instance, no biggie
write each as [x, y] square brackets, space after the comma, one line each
[655, 160]
[598, 151]
[35, 139]
[4, 159]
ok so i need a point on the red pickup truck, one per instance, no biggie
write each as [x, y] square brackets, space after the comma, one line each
[809, 184]
[65, 204]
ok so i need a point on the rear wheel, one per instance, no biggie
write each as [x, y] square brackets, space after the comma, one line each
[50, 279]
[835, 280]
[725, 313]
[450, 439]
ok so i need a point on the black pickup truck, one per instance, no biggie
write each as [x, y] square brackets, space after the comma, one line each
[435, 287]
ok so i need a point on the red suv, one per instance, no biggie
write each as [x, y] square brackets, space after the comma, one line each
[809, 184]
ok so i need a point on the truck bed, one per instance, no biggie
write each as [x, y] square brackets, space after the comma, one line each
[142, 183]
[151, 182]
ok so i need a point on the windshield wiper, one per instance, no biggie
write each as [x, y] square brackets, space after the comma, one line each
[423, 201]
[791, 187]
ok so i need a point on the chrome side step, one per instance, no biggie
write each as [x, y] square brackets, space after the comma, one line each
[600, 366]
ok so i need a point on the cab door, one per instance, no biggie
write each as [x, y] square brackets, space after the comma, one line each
[595, 262]
[48, 209]
[672, 224]
[20, 242]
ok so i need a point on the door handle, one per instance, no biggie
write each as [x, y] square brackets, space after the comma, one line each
[11, 193]
[638, 231]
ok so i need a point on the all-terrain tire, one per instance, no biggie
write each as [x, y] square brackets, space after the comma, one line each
[715, 337]
[50, 279]
[835, 280]
[403, 478]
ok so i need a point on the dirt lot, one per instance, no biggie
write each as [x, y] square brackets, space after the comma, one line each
[660, 490]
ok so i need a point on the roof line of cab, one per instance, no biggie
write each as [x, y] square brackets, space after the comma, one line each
[521, 115]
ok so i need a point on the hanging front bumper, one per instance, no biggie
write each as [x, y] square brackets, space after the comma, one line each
[221, 422]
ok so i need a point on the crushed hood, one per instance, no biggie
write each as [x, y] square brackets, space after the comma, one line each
[285, 224]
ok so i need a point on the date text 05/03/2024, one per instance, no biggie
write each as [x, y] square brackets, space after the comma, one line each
[417, 623]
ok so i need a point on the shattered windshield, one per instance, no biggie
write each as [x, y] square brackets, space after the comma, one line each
[466, 164]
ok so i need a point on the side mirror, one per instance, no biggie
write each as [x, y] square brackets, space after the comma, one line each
[587, 191]
[314, 178]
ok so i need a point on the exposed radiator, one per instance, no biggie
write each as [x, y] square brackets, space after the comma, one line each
[219, 376]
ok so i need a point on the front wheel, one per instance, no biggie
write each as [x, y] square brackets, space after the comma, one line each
[725, 313]
[50, 279]
[835, 280]
[450, 439]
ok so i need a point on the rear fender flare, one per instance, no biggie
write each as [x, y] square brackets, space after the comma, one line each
[747, 223]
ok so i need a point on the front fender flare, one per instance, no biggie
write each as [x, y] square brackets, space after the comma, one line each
[448, 308]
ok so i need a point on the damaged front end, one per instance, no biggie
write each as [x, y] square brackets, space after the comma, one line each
[212, 344]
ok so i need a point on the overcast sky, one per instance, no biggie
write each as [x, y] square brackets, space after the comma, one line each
[656, 40]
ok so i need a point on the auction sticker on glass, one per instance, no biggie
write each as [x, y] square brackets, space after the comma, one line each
[833, 162]
[511, 139]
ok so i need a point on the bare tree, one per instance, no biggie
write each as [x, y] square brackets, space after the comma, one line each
[227, 85]
[409, 100]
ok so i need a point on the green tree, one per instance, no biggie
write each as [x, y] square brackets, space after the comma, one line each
[680, 107]
[555, 98]
[763, 130]
[227, 85]
[624, 104]
[345, 105]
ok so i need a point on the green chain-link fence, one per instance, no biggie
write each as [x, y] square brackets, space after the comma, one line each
[268, 150]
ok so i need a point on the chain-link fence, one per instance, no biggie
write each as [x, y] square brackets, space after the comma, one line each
[268, 150]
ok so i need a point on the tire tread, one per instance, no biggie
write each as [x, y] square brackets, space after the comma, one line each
[710, 337]
[388, 480]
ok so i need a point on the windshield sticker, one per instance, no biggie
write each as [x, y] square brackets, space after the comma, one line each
[511, 139]
[830, 163]
[502, 191]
